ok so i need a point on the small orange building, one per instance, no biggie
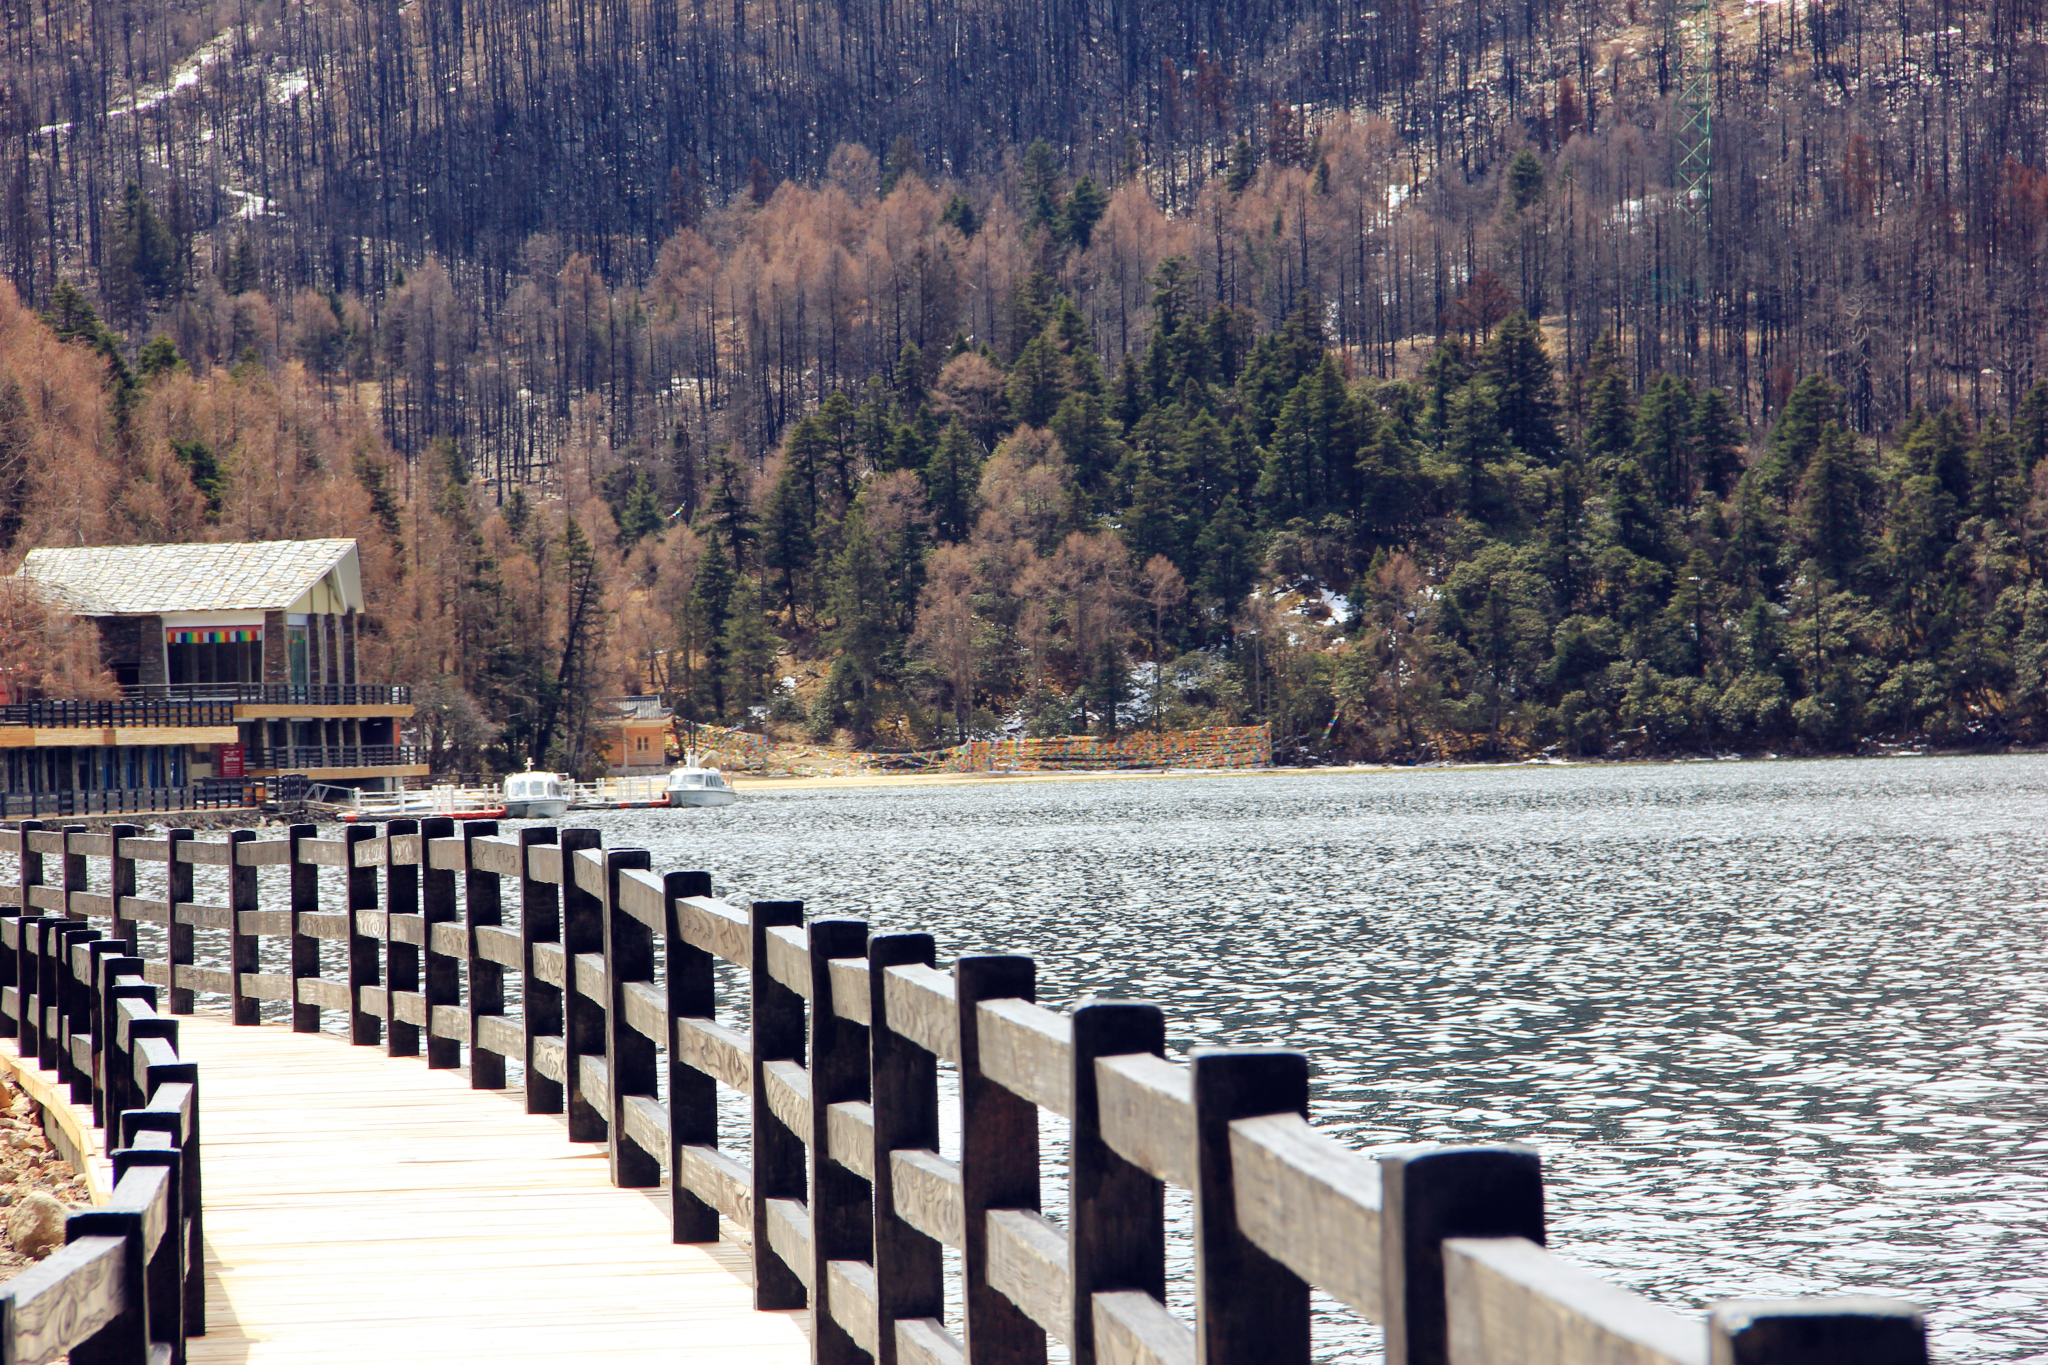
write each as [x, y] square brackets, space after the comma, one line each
[634, 732]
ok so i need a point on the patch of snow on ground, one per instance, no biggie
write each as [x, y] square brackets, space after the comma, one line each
[254, 205]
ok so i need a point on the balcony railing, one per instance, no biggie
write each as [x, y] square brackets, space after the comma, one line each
[304, 757]
[280, 694]
[129, 711]
[206, 794]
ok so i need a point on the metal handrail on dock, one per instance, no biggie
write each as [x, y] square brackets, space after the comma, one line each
[850, 1205]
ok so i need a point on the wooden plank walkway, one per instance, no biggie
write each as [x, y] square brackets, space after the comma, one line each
[364, 1208]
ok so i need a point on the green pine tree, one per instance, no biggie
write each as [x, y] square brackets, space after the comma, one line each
[951, 476]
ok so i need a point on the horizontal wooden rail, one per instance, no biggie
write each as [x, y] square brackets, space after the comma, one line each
[849, 1204]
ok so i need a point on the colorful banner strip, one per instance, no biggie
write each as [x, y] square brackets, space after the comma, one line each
[1244, 746]
[213, 635]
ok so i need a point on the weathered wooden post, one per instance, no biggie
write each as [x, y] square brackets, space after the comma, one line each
[164, 1273]
[904, 1086]
[28, 874]
[77, 876]
[1853, 1330]
[778, 1153]
[1116, 1212]
[178, 940]
[441, 975]
[998, 1163]
[842, 1219]
[401, 959]
[126, 1339]
[53, 971]
[90, 1013]
[366, 1026]
[1250, 1309]
[692, 1093]
[1426, 1195]
[632, 1059]
[303, 901]
[482, 907]
[244, 949]
[540, 921]
[121, 881]
[582, 1017]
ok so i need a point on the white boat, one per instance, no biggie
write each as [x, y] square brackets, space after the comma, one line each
[535, 796]
[691, 785]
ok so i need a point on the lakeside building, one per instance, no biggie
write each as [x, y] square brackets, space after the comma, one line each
[237, 664]
[634, 733]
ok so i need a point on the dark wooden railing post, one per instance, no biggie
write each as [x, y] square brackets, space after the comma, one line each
[1858, 1330]
[582, 1017]
[482, 905]
[842, 1218]
[177, 934]
[904, 1084]
[121, 882]
[111, 1093]
[304, 900]
[998, 1163]
[692, 1094]
[119, 1067]
[401, 960]
[73, 998]
[1427, 1195]
[778, 1153]
[1116, 1212]
[441, 975]
[34, 931]
[77, 876]
[540, 921]
[164, 1271]
[53, 971]
[27, 874]
[126, 1339]
[366, 1026]
[1250, 1309]
[632, 1059]
[244, 949]
[91, 1020]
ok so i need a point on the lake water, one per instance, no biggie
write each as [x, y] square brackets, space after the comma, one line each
[1777, 1028]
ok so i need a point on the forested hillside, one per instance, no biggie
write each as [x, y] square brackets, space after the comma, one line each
[1356, 369]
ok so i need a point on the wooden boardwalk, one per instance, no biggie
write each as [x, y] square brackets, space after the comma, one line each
[362, 1208]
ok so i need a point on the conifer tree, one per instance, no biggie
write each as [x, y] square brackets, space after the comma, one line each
[705, 634]
[1829, 517]
[950, 478]
[641, 516]
[1518, 366]
[749, 648]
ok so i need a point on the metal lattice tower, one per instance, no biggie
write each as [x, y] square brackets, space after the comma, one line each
[1691, 41]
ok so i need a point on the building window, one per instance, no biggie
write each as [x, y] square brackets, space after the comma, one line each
[299, 650]
[198, 655]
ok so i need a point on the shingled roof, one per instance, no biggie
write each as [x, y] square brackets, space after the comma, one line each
[137, 580]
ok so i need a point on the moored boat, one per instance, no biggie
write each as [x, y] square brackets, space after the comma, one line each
[691, 785]
[535, 796]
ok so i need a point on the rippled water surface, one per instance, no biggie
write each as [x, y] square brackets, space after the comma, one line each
[1777, 1028]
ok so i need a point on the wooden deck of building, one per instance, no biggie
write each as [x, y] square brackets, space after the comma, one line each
[363, 1208]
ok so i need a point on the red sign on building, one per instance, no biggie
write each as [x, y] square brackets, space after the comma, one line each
[228, 761]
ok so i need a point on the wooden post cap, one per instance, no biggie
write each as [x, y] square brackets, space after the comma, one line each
[1429, 1193]
[1855, 1330]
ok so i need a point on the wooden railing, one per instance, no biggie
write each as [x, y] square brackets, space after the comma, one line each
[129, 1283]
[849, 1203]
[211, 793]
